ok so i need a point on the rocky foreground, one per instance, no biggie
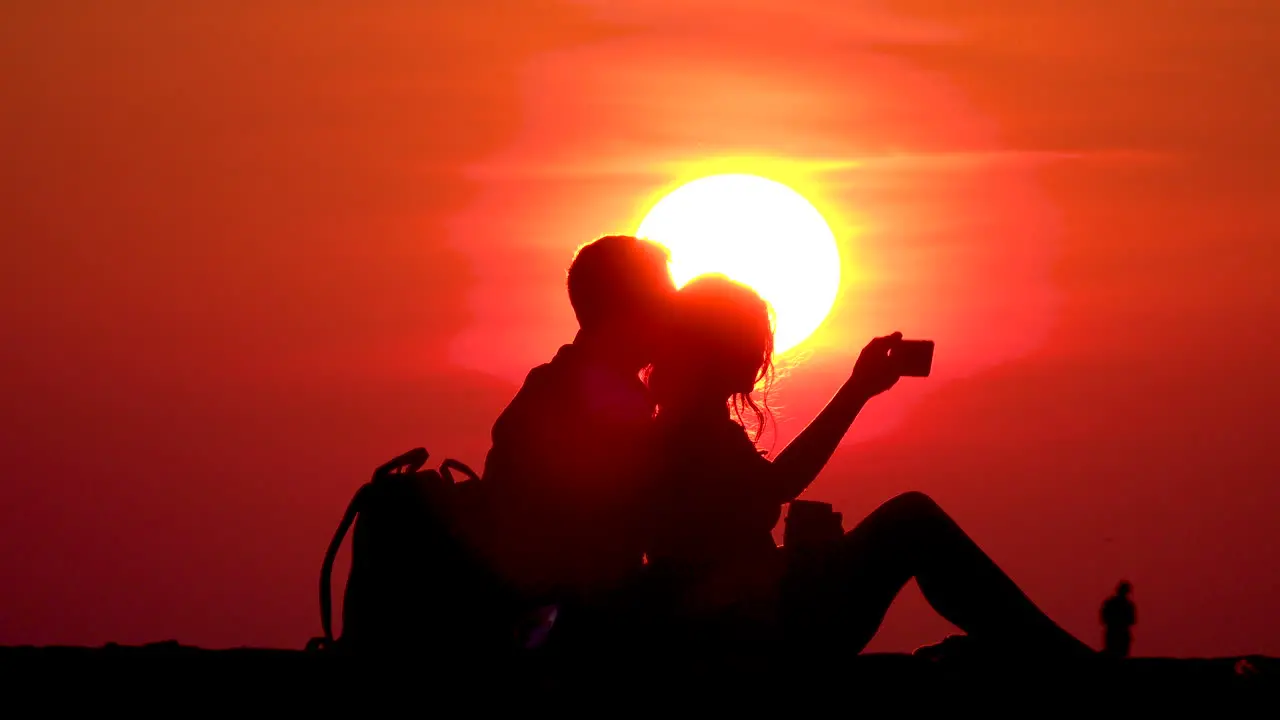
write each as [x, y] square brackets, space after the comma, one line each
[880, 681]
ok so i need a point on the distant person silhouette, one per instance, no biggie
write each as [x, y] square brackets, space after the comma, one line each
[568, 452]
[717, 499]
[1119, 615]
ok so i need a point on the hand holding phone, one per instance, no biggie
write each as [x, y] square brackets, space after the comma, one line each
[886, 359]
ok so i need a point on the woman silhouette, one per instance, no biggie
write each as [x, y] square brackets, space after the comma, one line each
[718, 499]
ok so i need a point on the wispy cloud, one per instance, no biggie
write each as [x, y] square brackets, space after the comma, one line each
[643, 166]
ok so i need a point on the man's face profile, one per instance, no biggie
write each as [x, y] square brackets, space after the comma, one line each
[653, 319]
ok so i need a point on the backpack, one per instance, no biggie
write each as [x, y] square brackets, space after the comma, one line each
[415, 581]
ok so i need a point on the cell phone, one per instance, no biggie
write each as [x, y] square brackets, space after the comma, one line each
[914, 358]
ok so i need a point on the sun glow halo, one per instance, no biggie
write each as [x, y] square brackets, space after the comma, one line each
[760, 233]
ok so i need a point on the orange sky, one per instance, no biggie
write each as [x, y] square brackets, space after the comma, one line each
[251, 252]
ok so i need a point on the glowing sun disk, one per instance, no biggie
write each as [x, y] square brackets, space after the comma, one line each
[760, 233]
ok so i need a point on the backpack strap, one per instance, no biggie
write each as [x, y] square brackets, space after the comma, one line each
[449, 465]
[406, 463]
[326, 570]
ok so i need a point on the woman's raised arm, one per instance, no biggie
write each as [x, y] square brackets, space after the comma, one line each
[804, 457]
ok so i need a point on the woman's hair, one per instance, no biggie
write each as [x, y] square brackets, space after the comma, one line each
[721, 341]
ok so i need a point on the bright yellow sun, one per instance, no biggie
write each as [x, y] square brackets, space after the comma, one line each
[758, 232]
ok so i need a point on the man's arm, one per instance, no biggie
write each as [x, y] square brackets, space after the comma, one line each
[513, 435]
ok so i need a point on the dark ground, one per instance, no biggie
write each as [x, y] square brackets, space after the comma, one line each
[261, 677]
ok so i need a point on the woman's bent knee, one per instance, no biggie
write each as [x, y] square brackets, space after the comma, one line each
[915, 502]
[900, 521]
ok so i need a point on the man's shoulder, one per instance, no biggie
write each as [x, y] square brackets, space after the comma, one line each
[556, 374]
[547, 384]
[573, 389]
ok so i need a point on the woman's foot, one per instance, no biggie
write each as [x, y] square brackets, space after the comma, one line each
[951, 649]
[966, 649]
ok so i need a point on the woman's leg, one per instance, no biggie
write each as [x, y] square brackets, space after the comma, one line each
[910, 536]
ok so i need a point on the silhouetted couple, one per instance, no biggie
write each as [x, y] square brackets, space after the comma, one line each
[594, 468]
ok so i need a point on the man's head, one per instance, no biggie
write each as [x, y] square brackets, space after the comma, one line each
[621, 289]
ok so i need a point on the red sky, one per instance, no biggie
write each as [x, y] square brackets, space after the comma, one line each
[250, 251]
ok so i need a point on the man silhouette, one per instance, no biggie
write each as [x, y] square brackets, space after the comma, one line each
[1118, 616]
[568, 454]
